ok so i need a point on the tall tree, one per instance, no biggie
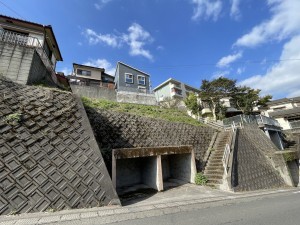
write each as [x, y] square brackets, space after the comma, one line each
[247, 98]
[213, 91]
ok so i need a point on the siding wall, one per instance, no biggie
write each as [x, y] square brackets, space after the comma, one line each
[122, 85]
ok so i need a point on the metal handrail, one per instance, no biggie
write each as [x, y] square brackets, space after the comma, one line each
[28, 41]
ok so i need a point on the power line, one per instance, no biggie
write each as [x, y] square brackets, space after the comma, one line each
[12, 10]
[214, 64]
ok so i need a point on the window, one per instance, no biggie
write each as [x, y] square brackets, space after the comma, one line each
[141, 80]
[128, 78]
[83, 72]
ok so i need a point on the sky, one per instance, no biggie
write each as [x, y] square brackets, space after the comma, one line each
[256, 42]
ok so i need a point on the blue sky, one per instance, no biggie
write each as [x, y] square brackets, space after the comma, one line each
[255, 42]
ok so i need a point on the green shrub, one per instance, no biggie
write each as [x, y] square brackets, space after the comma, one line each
[169, 114]
[13, 119]
[200, 179]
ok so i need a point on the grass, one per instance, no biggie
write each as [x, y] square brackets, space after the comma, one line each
[157, 112]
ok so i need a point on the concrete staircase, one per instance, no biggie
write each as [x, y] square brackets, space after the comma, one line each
[291, 146]
[214, 169]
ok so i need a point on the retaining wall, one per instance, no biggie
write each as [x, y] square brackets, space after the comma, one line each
[115, 130]
[49, 158]
[256, 166]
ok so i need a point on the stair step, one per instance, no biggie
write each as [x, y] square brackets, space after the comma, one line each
[215, 181]
[214, 167]
[214, 176]
[212, 185]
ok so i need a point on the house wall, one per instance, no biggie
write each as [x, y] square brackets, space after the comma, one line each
[284, 123]
[15, 61]
[122, 85]
[163, 92]
[95, 74]
[38, 73]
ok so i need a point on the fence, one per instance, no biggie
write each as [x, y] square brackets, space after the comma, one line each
[251, 119]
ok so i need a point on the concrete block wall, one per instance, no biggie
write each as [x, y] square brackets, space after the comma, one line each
[94, 92]
[137, 98]
[115, 130]
[49, 158]
[253, 169]
[15, 61]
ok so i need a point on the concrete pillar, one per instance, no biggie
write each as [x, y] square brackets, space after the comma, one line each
[152, 173]
[159, 179]
[279, 140]
[267, 133]
[114, 171]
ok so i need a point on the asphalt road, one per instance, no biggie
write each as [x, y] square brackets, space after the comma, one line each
[282, 209]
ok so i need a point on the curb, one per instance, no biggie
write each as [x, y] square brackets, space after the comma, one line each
[111, 214]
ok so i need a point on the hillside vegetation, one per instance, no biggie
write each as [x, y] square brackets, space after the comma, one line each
[157, 112]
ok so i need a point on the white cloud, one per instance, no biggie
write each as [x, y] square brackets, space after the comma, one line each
[109, 39]
[206, 9]
[235, 10]
[101, 63]
[284, 23]
[136, 38]
[282, 79]
[240, 70]
[218, 74]
[101, 3]
[160, 47]
[66, 70]
[226, 60]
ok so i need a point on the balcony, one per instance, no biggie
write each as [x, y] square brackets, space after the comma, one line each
[176, 92]
[206, 111]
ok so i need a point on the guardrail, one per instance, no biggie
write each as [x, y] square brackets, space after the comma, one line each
[229, 148]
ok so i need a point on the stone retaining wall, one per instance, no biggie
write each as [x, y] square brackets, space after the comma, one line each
[49, 159]
[115, 130]
[255, 162]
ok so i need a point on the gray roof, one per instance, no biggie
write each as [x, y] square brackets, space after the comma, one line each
[174, 81]
[133, 68]
[286, 113]
[283, 100]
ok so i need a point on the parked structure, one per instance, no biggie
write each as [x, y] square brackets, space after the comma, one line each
[286, 111]
[173, 89]
[29, 51]
[91, 76]
[133, 85]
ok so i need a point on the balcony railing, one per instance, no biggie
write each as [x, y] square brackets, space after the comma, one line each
[295, 124]
[251, 119]
[28, 41]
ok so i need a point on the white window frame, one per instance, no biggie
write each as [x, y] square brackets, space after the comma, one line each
[138, 77]
[128, 74]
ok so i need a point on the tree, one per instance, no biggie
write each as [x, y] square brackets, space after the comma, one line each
[192, 104]
[213, 91]
[247, 98]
